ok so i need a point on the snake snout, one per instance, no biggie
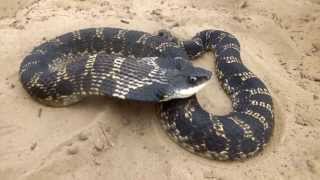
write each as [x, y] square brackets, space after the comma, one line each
[199, 76]
[189, 82]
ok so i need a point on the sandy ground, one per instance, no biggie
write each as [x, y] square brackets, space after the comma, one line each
[104, 138]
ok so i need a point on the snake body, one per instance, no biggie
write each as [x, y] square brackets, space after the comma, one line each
[135, 65]
[241, 133]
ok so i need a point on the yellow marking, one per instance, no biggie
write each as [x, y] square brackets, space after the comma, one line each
[227, 87]
[76, 35]
[28, 65]
[220, 37]
[246, 128]
[259, 117]
[121, 34]
[258, 91]
[232, 46]
[219, 73]
[231, 59]
[261, 104]
[34, 79]
[142, 39]
[99, 33]
[39, 51]
[218, 127]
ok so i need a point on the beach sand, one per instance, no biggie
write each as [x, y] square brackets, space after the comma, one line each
[105, 138]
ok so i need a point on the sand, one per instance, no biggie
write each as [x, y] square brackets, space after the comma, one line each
[105, 138]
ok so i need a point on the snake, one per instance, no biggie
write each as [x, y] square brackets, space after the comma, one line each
[140, 66]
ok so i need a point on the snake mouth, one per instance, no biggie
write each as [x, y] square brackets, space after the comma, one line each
[185, 92]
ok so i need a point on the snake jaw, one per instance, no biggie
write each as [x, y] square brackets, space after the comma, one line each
[165, 94]
[183, 92]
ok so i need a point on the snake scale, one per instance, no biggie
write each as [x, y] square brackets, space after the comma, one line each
[135, 65]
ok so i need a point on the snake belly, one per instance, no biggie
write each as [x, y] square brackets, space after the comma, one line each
[241, 133]
[125, 64]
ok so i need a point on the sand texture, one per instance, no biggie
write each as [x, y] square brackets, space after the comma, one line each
[105, 138]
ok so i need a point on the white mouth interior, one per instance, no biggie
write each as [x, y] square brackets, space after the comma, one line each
[184, 93]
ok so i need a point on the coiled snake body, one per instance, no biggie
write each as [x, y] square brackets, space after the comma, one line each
[237, 135]
[135, 65]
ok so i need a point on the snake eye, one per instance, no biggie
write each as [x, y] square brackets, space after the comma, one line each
[193, 79]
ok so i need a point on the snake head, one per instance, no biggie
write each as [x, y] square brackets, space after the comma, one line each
[156, 79]
[185, 80]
